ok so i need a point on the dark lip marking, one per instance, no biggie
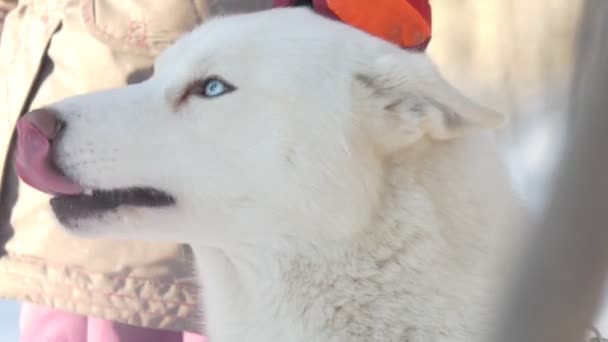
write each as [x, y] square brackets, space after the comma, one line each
[71, 207]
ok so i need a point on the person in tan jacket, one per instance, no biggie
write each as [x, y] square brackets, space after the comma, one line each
[51, 49]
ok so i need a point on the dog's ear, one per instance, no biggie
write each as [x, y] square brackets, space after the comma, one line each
[409, 99]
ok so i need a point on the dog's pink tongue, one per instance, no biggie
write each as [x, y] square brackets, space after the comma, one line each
[33, 162]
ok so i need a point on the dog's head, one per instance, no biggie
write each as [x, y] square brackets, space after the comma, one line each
[252, 126]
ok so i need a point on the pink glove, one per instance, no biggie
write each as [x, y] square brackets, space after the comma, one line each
[40, 324]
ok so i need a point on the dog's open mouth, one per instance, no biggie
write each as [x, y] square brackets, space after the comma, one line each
[35, 166]
[70, 207]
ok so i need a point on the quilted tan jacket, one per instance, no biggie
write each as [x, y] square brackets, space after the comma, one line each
[50, 49]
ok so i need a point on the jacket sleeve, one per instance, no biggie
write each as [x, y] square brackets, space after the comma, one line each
[5, 7]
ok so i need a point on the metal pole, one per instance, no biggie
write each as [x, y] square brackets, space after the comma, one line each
[559, 286]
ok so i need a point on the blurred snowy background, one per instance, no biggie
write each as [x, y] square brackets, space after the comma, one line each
[512, 55]
[515, 56]
[9, 321]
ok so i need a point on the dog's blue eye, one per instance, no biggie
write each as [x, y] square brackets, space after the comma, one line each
[214, 87]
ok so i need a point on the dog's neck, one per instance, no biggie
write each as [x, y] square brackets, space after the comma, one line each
[389, 283]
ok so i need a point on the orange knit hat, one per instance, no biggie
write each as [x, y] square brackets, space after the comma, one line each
[406, 23]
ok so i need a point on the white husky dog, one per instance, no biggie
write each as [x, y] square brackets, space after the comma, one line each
[333, 186]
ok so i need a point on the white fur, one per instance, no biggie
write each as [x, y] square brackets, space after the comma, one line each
[343, 192]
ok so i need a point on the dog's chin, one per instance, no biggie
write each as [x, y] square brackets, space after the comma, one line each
[75, 212]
